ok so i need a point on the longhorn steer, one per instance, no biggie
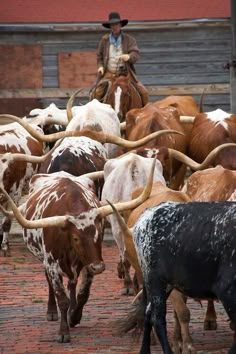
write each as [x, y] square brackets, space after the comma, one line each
[190, 247]
[63, 227]
[77, 156]
[185, 105]
[121, 177]
[212, 129]
[132, 170]
[143, 121]
[181, 336]
[15, 174]
[95, 116]
[212, 184]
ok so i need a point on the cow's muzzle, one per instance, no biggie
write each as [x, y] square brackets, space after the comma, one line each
[96, 268]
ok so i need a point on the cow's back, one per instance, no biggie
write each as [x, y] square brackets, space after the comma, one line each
[181, 242]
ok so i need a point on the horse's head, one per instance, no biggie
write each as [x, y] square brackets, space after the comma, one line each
[122, 96]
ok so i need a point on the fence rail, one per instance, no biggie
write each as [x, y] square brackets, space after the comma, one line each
[153, 91]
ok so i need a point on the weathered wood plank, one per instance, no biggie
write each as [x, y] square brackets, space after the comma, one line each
[77, 69]
[20, 66]
[153, 91]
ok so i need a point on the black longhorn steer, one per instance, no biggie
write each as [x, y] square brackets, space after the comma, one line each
[190, 247]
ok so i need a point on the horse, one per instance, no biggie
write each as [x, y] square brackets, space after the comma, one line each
[120, 92]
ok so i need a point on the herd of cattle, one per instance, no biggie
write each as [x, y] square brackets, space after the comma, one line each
[164, 179]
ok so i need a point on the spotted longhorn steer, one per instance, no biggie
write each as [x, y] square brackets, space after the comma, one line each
[168, 239]
[121, 177]
[62, 226]
[15, 174]
[212, 184]
[96, 116]
[77, 156]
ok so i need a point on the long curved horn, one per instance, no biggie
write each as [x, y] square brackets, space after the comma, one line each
[134, 144]
[99, 136]
[9, 213]
[124, 228]
[94, 175]
[70, 103]
[186, 119]
[122, 206]
[195, 165]
[50, 137]
[201, 101]
[58, 221]
[29, 158]
[43, 120]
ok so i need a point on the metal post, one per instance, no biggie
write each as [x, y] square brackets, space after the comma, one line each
[233, 62]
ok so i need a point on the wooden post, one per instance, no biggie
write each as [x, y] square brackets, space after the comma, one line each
[233, 62]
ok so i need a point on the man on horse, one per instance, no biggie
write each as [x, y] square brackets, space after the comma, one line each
[116, 55]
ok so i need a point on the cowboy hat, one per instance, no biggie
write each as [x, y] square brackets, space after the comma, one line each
[114, 17]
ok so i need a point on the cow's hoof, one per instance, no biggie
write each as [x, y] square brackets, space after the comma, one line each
[210, 325]
[6, 251]
[176, 347]
[232, 326]
[75, 319]
[74, 322]
[131, 292]
[188, 349]
[127, 292]
[63, 338]
[52, 316]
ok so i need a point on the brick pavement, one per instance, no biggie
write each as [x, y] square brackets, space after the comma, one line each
[25, 330]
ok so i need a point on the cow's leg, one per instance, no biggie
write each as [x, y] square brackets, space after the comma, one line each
[6, 226]
[63, 303]
[210, 318]
[228, 298]
[182, 341]
[128, 288]
[147, 327]
[71, 286]
[156, 315]
[82, 297]
[52, 314]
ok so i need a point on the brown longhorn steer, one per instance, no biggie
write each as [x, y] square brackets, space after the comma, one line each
[63, 227]
[181, 335]
[211, 130]
[143, 121]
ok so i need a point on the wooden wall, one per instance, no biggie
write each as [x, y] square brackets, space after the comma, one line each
[183, 55]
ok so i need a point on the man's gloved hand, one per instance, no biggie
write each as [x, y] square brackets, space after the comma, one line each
[125, 57]
[101, 70]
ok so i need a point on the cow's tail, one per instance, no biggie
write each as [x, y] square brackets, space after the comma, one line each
[133, 321]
